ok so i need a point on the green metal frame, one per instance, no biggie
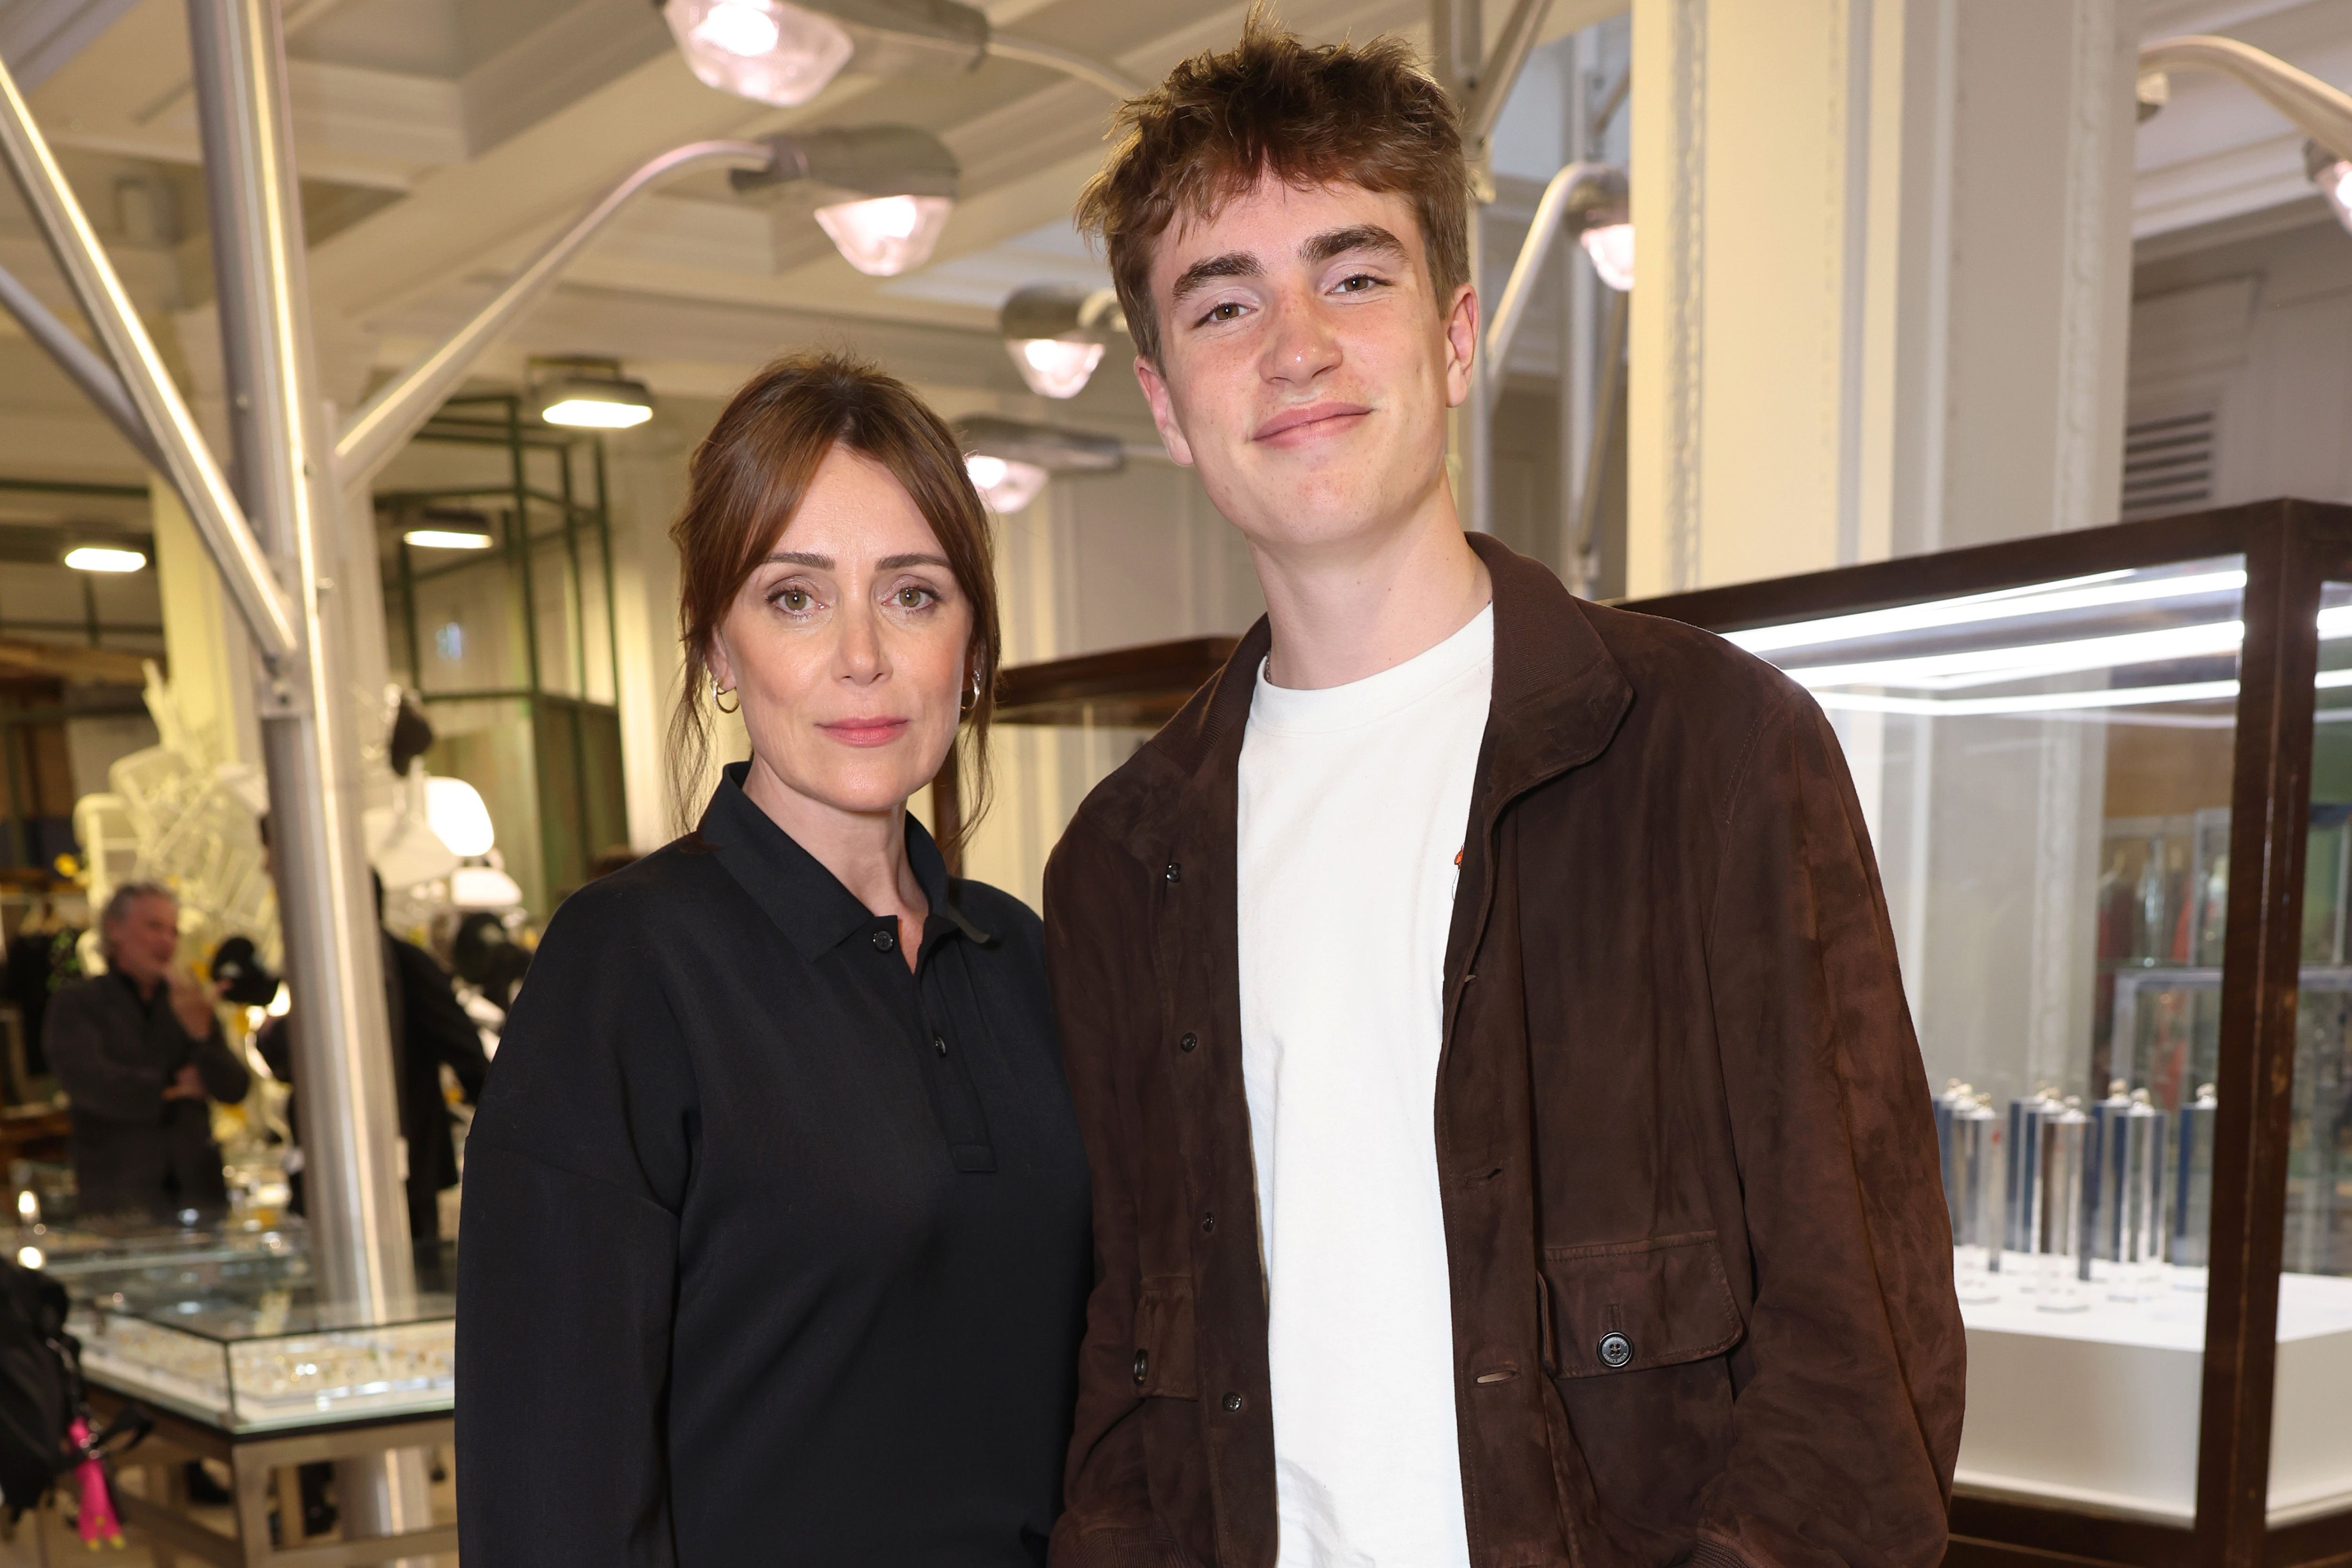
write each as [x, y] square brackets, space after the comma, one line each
[501, 422]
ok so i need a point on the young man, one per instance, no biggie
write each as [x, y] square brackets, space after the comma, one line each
[1510, 1146]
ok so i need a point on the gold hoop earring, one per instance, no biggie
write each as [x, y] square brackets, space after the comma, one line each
[973, 705]
[718, 691]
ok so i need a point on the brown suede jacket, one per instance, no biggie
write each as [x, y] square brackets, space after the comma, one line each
[1701, 1270]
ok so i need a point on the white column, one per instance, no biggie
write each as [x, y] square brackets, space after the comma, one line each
[1884, 278]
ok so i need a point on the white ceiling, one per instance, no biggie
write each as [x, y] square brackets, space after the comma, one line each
[442, 140]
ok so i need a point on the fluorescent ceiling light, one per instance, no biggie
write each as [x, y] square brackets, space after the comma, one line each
[2101, 590]
[2029, 702]
[1006, 485]
[1610, 246]
[455, 812]
[597, 413]
[587, 392]
[447, 539]
[883, 237]
[104, 558]
[767, 50]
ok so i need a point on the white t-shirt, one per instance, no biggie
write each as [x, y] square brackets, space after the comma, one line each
[1353, 803]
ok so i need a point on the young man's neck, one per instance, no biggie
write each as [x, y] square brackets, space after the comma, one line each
[1349, 609]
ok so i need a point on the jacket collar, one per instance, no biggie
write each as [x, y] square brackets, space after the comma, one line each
[1558, 697]
[807, 902]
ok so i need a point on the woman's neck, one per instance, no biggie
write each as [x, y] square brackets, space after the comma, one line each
[865, 851]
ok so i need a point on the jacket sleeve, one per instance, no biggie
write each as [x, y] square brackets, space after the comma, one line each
[575, 1173]
[435, 1017]
[95, 1078]
[1848, 1422]
[225, 1079]
[1100, 969]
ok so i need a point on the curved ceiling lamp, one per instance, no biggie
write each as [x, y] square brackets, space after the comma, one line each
[900, 182]
[1057, 333]
[1590, 201]
[2321, 113]
[586, 392]
[785, 51]
[1009, 460]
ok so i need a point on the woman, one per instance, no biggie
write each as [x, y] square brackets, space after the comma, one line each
[774, 1246]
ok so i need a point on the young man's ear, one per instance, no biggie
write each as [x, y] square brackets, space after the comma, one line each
[1163, 412]
[1462, 345]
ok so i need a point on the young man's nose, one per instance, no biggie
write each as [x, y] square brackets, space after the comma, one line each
[1302, 345]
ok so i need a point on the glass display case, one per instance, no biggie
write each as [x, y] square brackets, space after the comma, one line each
[2108, 778]
[270, 1361]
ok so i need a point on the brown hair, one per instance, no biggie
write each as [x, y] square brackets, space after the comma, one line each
[745, 482]
[1364, 115]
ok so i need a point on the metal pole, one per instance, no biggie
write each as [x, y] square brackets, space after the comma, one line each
[401, 409]
[334, 957]
[1511, 310]
[187, 463]
[87, 371]
[1576, 348]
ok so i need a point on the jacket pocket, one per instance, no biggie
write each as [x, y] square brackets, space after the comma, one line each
[1627, 1306]
[1163, 1337]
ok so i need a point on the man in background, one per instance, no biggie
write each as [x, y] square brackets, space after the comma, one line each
[140, 1053]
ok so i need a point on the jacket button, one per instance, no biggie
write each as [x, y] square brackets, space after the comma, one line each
[938, 1042]
[1208, 1224]
[1234, 1402]
[1142, 1366]
[1616, 1350]
[1188, 1042]
[884, 941]
[1175, 871]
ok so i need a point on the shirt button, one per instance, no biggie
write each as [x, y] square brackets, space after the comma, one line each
[1188, 1042]
[1142, 1366]
[1175, 871]
[1208, 1224]
[1234, 1402]
[1616, 1350]
[940, 1044]
[884, 941]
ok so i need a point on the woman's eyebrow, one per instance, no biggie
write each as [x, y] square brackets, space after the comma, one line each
[800, 557]
[895, 562]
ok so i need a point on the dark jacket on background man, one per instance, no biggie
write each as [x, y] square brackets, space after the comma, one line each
[429, 1030]
[1701, 1270]
[114, 1052]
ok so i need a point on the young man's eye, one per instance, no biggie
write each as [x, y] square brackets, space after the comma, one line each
[1225, 312]
[1359, 283]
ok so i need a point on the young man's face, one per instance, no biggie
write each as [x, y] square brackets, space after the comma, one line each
[1307, 362]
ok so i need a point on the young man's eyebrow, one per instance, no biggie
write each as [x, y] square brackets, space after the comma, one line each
[1322, 247]
[1201, 274]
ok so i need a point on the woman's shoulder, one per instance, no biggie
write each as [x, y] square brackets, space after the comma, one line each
[644, 900]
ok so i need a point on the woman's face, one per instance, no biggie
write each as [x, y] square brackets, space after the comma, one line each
[848, 645]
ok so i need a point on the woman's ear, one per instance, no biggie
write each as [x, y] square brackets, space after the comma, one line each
[721, 667]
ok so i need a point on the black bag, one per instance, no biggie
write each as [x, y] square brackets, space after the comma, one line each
[39, 1385]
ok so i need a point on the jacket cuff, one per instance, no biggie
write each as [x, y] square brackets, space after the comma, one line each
[1115, 1546]
[1708, 1553]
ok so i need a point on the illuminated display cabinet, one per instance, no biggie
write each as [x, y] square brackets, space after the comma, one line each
[2108, 775]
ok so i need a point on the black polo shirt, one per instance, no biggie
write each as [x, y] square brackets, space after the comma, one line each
[772, 1251]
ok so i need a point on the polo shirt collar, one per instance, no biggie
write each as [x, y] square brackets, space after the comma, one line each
[808, 903]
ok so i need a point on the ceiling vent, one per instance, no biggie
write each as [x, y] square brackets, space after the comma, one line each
[2168, 464]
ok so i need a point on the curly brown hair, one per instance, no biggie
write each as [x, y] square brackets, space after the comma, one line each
[745, 482]
[1358, 114]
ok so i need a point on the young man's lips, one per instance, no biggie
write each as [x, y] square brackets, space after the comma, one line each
[1308, 417]
[866, 731]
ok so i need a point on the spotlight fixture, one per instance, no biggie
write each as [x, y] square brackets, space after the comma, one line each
[900, 182]
[785, 51]
[1010, 461]
[449, 527]
[1057, 334]
[2333, 175]
[1600, 214]
[586, 392]
[458, 816]
[105, 558]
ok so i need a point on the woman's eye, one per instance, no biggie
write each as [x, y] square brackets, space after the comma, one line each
[794, 600]
[913, 598]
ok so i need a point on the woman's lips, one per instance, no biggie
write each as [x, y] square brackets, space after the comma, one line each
[866, 731]
[1309, 422]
